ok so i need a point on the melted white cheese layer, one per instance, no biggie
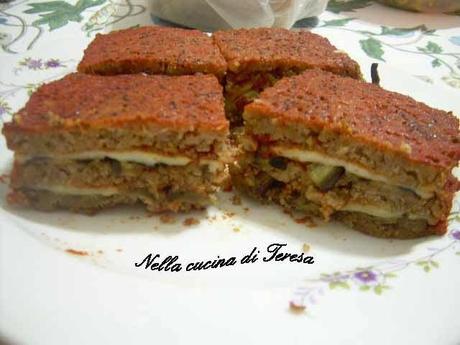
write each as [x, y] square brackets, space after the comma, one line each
[134, 156]
[372, 211]
[320, 158]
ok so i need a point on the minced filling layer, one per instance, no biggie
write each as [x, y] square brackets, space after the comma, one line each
[377, 211]
[302, 155]
[297, 194]
[333, 184]
[102, 191]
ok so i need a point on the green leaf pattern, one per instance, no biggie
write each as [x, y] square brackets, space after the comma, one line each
[377, 279]
[339, 284]
[427, 265]
[25, 23]
[373, 48]
[392, 31]
[56, 14]
[431, 47]
[436, 62]
[374, 43]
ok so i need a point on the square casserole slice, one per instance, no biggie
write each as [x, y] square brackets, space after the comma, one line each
[344, 149]
[87, 142]
[257, 58]
[153, 50]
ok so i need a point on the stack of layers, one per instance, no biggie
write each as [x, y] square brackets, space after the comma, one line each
[341, 148]
[87, 142]
[246, 61]
[258, 58]
[311, 135]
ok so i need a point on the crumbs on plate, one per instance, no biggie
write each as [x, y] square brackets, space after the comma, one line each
[190, 221]
[305, 248]
[77, 252]
[296, 308]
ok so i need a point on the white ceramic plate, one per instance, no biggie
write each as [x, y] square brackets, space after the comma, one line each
[360, 290]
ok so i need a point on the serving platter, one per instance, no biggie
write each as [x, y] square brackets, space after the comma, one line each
[82, 279]
[124, 276]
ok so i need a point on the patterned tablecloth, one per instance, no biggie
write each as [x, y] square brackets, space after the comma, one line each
[41, 41]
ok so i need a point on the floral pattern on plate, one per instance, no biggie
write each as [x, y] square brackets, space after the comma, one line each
[380, 277]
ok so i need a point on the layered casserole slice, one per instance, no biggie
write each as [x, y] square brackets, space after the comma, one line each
[153, 50]
[257, 58]
[344, 149]
[87, 142]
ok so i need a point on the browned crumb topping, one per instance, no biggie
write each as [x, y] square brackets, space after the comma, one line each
[154, 50]
[184, 102]
[270, 48]
[383, 120]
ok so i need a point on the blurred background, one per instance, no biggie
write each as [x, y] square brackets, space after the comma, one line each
[223, 14]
